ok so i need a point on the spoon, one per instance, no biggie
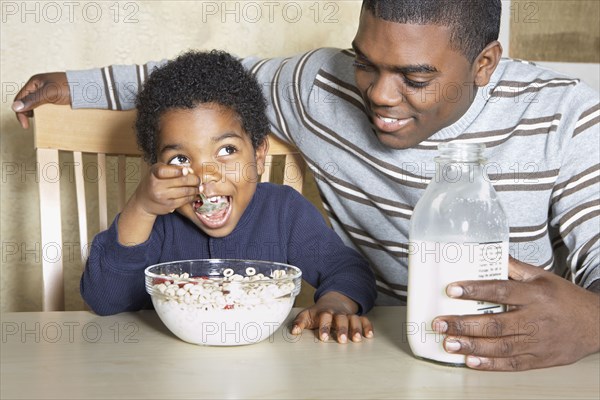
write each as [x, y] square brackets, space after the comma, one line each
[207, 207]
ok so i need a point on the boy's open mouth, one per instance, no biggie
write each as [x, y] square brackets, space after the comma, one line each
[213, 211]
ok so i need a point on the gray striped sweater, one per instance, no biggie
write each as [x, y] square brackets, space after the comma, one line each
[542, 136]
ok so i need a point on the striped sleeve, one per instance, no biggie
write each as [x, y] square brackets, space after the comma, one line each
[575, 198]
[114, 87]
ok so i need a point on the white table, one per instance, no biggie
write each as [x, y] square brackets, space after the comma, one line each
[80, 355]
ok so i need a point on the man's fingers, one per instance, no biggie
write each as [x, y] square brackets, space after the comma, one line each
[29, 102]
[509, 292]
[23, 108]
[507, 346]
[520, 271]
[517, 363]
[51, 87]
[23, 119]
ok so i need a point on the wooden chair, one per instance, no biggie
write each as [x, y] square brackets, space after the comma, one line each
[103, 134]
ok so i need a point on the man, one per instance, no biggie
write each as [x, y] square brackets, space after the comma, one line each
[368, 122]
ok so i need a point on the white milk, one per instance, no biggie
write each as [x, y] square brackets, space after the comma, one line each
[198, 324]
[439, 264]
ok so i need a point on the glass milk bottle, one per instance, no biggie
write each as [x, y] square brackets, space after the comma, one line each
[458, 231]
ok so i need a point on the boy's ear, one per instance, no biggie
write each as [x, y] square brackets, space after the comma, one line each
[486, 62]
[261, 155]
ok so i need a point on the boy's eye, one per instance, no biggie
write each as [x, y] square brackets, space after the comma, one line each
[226, 151]
[179, 160]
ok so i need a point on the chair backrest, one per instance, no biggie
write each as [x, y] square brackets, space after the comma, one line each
[101, 134]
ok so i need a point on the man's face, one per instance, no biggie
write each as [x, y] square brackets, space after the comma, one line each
[412, 82]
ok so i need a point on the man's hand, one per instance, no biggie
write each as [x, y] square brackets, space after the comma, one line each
[41, 89]
[550, 321]
[334, 312]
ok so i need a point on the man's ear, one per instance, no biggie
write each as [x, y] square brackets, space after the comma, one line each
[486, 62]
[261, 155]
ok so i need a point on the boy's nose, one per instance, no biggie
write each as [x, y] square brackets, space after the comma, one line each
[209, 172]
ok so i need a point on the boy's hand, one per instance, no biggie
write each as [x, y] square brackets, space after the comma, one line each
[334, 312]
[40, 89]
[166, 188]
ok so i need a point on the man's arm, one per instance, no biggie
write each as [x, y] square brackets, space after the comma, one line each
[113, 87]
[595, 287]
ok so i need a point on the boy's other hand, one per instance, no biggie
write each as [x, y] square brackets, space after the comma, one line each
[334, 312]
[51, 87]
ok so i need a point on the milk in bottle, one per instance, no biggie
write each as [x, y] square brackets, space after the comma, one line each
[458, 231]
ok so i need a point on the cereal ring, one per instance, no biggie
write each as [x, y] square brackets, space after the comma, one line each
[228, 272]
[250, 271]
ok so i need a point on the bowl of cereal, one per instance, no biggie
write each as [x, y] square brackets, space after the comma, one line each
[220, 302]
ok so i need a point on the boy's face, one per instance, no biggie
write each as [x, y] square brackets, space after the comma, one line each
[210, 140]
[412, 82]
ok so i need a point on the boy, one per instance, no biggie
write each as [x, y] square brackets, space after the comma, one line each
[202, 125]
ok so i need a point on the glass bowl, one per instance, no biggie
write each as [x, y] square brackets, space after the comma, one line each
[220, 302]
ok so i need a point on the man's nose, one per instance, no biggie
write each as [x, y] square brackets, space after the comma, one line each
[385, 91]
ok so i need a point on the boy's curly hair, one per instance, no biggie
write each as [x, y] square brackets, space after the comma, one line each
[194, 78]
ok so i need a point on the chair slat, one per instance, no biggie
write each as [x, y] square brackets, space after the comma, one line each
[144, 167]
[121, 179]
[88, 131]
[50, 218]
[102, 197]
[293, 172]
[81, 205]
[266, 175]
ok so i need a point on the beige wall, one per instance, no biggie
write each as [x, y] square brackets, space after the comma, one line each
[555, 30]
[41, 36]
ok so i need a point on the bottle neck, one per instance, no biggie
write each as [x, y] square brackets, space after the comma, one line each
[459, 162]
[453, 152]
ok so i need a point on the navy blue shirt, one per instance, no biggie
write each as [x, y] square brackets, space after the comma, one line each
[279, 225]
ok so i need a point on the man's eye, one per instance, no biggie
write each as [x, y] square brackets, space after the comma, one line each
[179, 160]
[415, 84]
[226, 151]
[362, 66]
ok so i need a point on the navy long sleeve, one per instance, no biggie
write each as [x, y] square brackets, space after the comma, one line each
[278, 225]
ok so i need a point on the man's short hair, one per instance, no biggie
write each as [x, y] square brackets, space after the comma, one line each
[473, 23]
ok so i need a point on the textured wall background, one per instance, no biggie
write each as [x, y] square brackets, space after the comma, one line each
[555, 30]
